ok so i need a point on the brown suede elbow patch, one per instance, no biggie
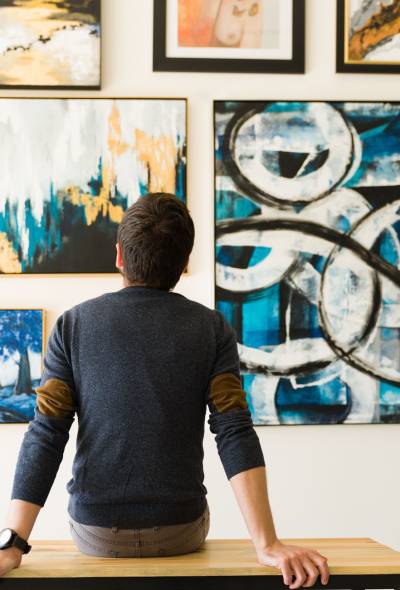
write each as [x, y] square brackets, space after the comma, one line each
[226, 393]
[55, 399]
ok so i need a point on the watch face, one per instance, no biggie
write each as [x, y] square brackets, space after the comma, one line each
[5, 537]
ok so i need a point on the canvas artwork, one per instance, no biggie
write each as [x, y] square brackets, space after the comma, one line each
[308, 256]
[21, 349]
[369, 35]
[229, 35]
[81, 162]
[50, 43]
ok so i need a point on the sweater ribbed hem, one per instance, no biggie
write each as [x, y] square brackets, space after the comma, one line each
[141, 515]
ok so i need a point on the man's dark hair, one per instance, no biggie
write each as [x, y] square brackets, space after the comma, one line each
[156, 237]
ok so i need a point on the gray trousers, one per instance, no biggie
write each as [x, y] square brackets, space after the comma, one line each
[150, 542]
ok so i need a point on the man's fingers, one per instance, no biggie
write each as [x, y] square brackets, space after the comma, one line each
[312, 572]
[322, 564]
[299, 572]
[286, 572]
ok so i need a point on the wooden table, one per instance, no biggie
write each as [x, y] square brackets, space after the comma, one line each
[354, 564]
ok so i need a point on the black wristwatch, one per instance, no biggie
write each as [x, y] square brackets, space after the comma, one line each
[9, 538]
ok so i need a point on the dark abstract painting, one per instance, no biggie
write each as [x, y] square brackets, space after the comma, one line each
[69, 168]
[308, 256]
[21, 346]
[50, 43]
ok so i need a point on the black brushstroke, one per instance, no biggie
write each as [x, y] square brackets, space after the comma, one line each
[301, 370]
[285, 293]
[291, 162]
[41, 39]
[378, 195]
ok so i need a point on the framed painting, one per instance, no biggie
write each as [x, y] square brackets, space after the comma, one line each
[255, 36]
[50, 44]
[308, 256]
[82, 162]
[21, 355]
[368, 36]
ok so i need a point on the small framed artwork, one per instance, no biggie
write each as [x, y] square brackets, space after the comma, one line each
[55, 45]
[22, 333]
[254, 36]
[83, 162]
[368, 36]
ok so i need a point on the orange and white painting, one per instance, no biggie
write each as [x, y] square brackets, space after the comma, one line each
[50, 43]
[373, 31]
[230, 28]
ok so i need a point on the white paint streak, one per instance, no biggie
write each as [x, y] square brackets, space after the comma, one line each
[287, 355]
[262, 391]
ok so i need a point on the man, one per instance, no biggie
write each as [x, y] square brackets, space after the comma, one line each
[138, 367]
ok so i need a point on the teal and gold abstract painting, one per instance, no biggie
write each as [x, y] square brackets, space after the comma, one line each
[308, 256]
[21, 349]
[69, 168]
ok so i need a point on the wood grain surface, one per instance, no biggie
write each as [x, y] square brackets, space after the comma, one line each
[60, 559]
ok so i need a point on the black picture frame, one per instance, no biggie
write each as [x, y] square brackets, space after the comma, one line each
[344, 66]
[163, 63]
[61, 87]
[227, 167]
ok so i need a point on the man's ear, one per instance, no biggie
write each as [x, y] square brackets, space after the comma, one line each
[119, 262]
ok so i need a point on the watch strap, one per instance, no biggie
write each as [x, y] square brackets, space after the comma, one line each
[21, 544]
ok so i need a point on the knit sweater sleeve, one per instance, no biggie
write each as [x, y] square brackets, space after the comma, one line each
[230, 419]
[44, 442]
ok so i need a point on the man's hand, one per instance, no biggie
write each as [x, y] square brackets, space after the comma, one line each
[10, 559]
[299, 566]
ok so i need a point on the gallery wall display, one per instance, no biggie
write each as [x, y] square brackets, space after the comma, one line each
[82, 162]
[21, 351]
[50, 44]
[229, 36]
[308, 254]
[368, 36]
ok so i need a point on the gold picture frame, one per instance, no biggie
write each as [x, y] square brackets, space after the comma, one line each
[371, 35]
[74, 98]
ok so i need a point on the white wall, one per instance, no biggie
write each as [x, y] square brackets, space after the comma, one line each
[325, 481]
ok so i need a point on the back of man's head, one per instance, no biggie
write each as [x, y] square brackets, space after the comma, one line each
[156, 238]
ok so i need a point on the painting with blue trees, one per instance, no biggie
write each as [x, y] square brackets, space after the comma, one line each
[21, 350]
[69, 168]
[307, 205]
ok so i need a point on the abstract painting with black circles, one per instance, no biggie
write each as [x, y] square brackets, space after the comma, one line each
[307, 205]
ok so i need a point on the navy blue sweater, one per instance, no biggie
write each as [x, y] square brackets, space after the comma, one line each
[138, 368]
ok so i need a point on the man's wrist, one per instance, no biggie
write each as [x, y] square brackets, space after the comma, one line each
[13, 551]
[266, 543]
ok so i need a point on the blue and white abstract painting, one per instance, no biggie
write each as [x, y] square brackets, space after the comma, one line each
[308, 256]
[21, 346]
